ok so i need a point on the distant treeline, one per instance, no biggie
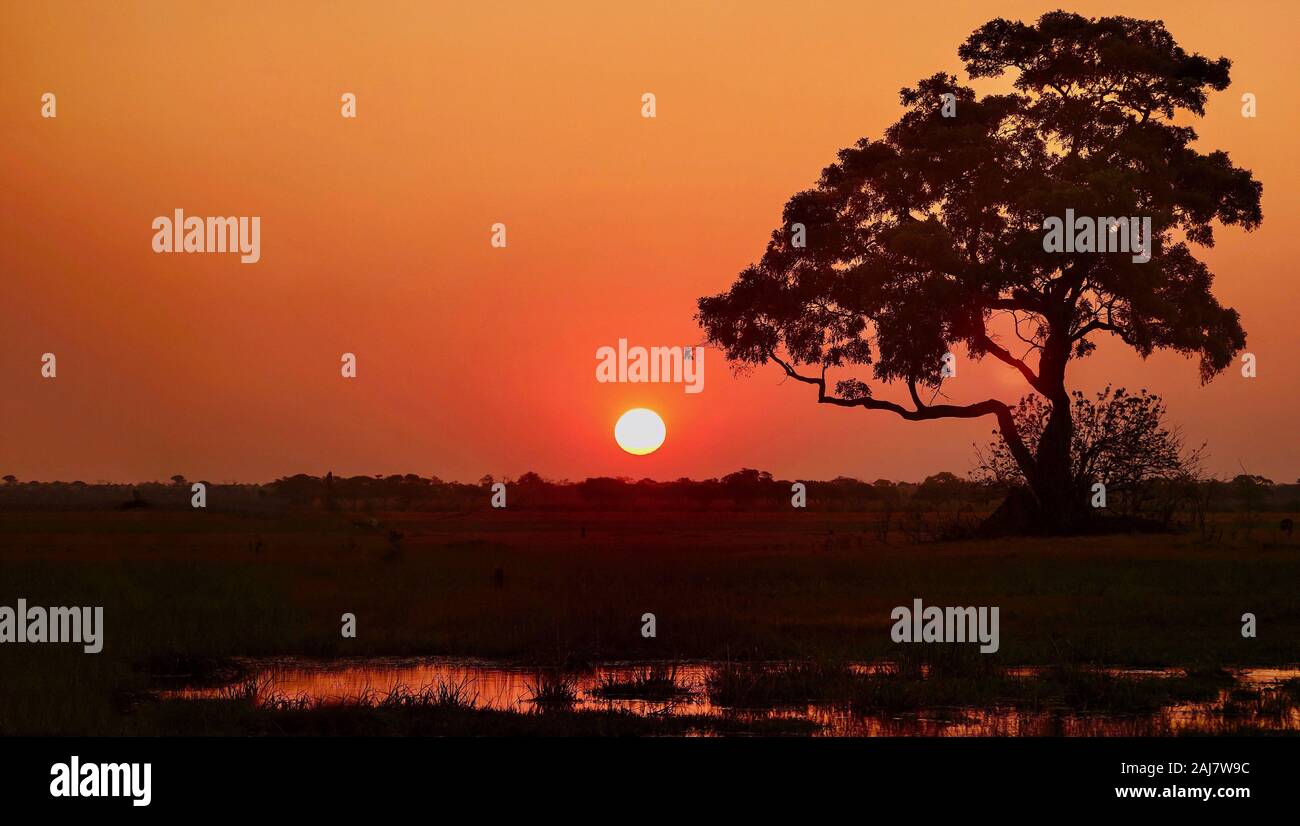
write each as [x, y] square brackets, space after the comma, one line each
[746, 489]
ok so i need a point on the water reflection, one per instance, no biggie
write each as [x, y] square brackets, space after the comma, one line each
[1255, 700]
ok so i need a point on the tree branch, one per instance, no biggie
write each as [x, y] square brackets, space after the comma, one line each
[1003, 355]
[988, 407]
[1097, 324]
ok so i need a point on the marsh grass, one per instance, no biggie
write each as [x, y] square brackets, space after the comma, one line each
[944, 660]
[750, 697]
[1088, 691]
[215, 717]
[1255, 705]
[772, 685]
[445, 694]
[247, 690]
[552, 690]
[183, 592]
[278, 701]
[1073, 598]
[937, 677]
[656, 681]
[944, 680]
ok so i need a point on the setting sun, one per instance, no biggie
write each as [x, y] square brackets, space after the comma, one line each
[639, 431]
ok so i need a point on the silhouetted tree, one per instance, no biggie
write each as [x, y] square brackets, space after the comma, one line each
[1119, 439]
[917, 242]
[531, 479]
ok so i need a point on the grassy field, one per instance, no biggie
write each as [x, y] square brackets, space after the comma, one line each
[181, 588]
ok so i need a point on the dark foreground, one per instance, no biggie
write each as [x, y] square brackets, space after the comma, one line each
[189, 595]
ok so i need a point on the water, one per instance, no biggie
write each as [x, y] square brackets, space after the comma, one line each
[509, 688]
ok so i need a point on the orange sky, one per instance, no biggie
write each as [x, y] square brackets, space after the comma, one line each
[476, 360]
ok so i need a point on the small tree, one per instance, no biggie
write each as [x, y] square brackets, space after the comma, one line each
[1120, 439]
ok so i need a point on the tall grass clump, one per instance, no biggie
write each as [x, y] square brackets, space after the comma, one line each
[657, 681]
[552, 690]
[443, 694]
[767, 685]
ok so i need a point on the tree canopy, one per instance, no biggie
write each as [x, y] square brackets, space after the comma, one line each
[915, 242]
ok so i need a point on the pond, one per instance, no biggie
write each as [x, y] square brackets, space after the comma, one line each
[1256, 699]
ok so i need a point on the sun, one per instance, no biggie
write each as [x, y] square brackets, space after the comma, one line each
[639, 431]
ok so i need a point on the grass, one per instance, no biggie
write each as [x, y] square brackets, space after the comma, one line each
[226, 717]
[443, 694]
[947, 678]
[1044, 703]
[772, 685]
[1088, 691]
[656, 681]
[552, 689]
[184, 594]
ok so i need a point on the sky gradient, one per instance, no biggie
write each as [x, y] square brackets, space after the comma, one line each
[474, 360]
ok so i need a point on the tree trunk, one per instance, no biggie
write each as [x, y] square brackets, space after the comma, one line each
[1061, 507]
[1055, 503]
